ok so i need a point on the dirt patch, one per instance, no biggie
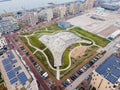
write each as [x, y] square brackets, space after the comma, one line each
[79, 51]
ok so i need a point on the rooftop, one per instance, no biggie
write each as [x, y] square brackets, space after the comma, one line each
[14, 73]
[110, 69]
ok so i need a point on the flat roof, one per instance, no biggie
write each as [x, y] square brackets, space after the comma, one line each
[13, 71]
[110, 69]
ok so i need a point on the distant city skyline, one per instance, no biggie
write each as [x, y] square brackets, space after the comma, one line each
[15, 5]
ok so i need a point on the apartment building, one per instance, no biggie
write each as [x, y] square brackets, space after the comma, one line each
[8, 24]
[28, 18]
[46, 14]
[106, 76]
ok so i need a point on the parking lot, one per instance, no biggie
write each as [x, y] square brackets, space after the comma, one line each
[82, 70]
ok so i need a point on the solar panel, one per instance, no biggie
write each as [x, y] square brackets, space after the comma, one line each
[13, 80]
[8, 67]
[110, 69]
[116, 72]
[5, 61]
[11, 74]
[22, 77]
[111, 78]
[13, 61]
[10, 55]
[118, 66]
[17, 68]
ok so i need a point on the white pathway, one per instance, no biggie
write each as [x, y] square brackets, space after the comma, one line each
[58, 70]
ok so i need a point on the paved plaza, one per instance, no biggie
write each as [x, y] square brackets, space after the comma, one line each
[101, 21]
[57, 44]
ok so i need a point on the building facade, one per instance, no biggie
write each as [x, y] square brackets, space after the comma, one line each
[28, 18]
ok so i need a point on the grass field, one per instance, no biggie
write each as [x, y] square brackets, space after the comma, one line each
[50, 56]
[54, 27]
[42, 59]
[36, 42]
[97, 39]
[65, 61]
[43, 31]
[26, 43]
[1, 80]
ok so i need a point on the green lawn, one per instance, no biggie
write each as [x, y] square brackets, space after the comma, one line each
[65, 58]
[97, 39]
[54, 27]
[36, 42]
[65, 61]
[43, 31]
[26, 33]
[42, 59]
[1, 80]
[26, 43]
[50, 56]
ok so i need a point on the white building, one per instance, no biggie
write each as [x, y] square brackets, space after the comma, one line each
[46, 15]
[28, 18]
[62, 10]
[115, 34]
[49, 14]
[89, 4]
[2, 42]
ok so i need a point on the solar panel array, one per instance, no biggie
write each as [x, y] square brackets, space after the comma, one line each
[22, 77]
[17, 68]
[12, 81]
[110, 69]
[12, 71]
[10, 55]
[11, 74]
